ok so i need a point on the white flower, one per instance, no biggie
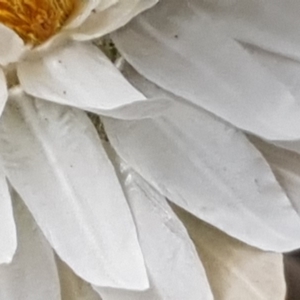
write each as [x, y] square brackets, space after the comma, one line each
[51, 154]
[102, 207]
[238, 62]
[47, 71]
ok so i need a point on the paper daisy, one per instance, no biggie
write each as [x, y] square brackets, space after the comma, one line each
[232, 68]
[211, 72]
[51, 154]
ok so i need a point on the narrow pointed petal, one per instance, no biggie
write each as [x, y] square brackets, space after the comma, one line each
[80, 75]
[193, 58]
[32, 275]
[55, 160]
[234, 269]
[286, 167]
[8, 238]
[209, 168]
[104, 21]
[286, 70]
[85, 11]
[174, 269]
[73, 287]
[270, 25]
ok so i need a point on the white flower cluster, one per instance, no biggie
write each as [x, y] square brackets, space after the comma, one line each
[201, 109]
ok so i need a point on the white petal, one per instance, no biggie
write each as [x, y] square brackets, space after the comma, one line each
[286, 167]
[193, 58]
[174, 269]
[102, 22]
[80, 75]
[271, 25]
[286, 70]
[3, 91]
[32, 275]
[8, 238]
[104, 4]
[55, 160]
[84, 12]
[235, 270]
[73, 287]
[210, 169]
[11, 46]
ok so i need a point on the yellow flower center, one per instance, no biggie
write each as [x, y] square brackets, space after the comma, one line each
[35, 21]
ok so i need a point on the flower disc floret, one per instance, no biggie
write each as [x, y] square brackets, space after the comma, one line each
[35, 21]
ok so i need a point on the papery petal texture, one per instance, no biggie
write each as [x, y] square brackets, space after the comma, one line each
[11, 46]
[85, 11]
[174, 269]
[55, 160]
[105, 4]
[235, 269]
[80, 75]
[286, 167]
[270, 25]
[107, 19]
[73, 287]
[184, 51]
[3, 91]
[8, 235]
[286, 70]
[32, 275]
[209, 168]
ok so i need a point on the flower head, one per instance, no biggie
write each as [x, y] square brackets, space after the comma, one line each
[103, 206]
[36, 21]
[42, 61]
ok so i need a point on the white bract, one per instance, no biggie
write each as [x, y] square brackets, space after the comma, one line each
[202, 74]
[46, 69]
[51, 154]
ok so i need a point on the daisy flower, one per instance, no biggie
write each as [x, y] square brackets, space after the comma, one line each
[51, 154]
[103, 206]
[232, 70]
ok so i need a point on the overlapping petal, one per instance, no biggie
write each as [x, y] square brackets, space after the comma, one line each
[209, 168]
[8, 238]
[104, 4]
[108, 17]
[286, 167]
[11, 46]
[32, 275]
[174, 269]
[54, 159]
[234, 269]
[188, 54]
[286, 70]
[270, 25]
[73, 287]
[83, 13]
[80, 75]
